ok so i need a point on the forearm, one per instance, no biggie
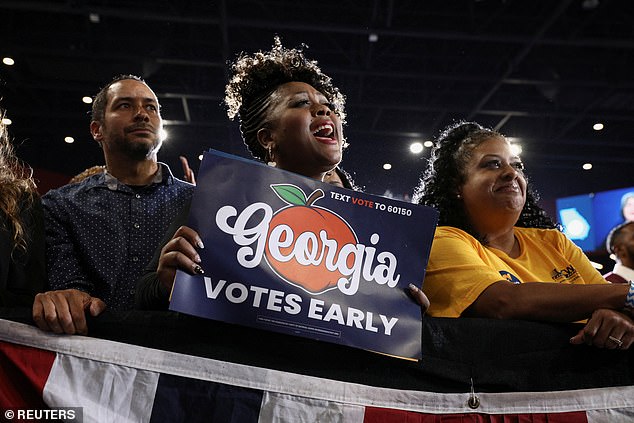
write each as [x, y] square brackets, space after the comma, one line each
[57, 280]
[64, 270]
[64, 266]
[150, 295]
[546, 301]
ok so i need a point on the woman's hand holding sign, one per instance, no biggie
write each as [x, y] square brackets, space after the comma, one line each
[420, 297]
[180, 253]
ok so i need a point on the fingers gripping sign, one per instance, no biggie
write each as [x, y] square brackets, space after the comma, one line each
[180, 253]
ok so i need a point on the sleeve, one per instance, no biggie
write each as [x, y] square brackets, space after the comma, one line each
[63, 265]
[457, 273]
[149, 293]
[580, 261]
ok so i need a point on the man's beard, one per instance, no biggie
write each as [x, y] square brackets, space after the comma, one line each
[140, 150]
[136, 148]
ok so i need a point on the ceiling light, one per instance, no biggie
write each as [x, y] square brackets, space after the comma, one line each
[163, 134]
[6, 121]
[428, 144]
[587, 166]
[387, 166]
[416, 147]
[86, 99]
[94, 18]
[373, 38]
[597, 126]
[8, 61]
[200, 157]
[69, 140]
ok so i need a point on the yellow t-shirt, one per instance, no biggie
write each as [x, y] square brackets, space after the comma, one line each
[460, 267]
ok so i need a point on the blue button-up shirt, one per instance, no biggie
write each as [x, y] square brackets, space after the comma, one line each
[100, 233]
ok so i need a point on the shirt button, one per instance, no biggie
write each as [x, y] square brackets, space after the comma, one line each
[135, 258]
[138, 195]
[137, 226]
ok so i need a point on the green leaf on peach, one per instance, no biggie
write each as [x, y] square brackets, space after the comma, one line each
[290, 194]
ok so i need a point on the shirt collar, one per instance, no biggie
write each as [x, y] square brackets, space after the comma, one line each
[624, 271]
[160, 176]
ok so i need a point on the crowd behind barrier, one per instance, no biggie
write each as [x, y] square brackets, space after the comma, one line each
[464, 359]
[152, 366]
[497, 355]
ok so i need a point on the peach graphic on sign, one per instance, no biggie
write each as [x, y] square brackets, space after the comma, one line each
[309, 239]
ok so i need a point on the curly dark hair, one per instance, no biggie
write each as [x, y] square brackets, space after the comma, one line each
[256, 77]
[445, 174]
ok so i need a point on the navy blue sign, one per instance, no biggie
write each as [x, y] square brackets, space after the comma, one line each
[294, 255]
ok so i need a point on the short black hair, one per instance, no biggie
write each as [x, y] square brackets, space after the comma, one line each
[615, 236]
[101, 99]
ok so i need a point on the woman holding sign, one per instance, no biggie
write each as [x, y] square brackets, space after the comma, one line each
[291, 117]
[495, 252]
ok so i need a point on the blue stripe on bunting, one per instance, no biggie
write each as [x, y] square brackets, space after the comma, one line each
[180, 399]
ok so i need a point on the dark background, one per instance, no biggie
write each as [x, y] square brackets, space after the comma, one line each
[542, 72]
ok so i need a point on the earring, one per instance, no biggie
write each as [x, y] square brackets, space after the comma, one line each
[270, 158]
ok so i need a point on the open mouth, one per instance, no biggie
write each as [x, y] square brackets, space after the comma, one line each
[325, 131]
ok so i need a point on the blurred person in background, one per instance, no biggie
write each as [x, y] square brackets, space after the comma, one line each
[620, 244]
[341, 178]
[22, 258]
[627, 206]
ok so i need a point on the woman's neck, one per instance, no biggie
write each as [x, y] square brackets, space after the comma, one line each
[504, 241]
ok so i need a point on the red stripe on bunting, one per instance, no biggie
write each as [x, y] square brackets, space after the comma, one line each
[23, 374]
[385, 415]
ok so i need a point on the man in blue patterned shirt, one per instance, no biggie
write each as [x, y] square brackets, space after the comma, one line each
[102, 231]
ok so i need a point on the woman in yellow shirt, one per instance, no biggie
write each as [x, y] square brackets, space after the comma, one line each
[496, 254]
